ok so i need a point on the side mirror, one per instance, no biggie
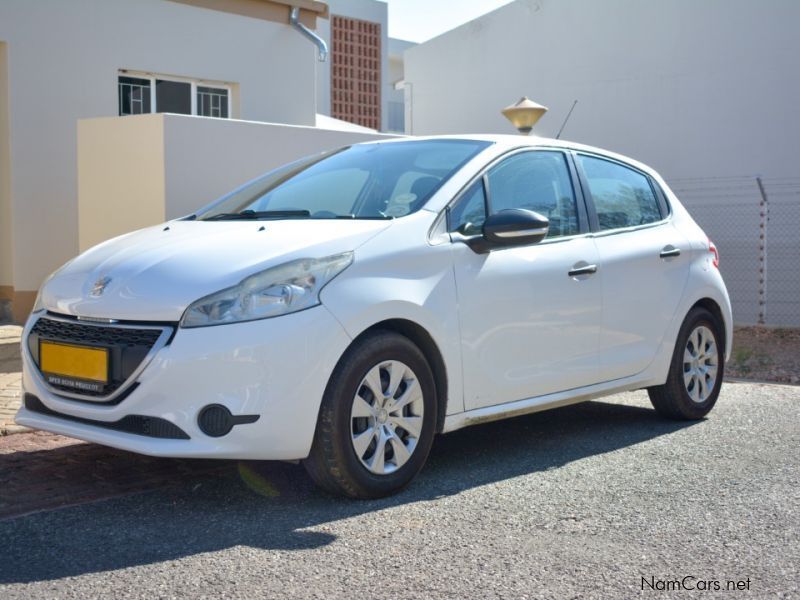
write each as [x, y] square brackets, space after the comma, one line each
[515, 227]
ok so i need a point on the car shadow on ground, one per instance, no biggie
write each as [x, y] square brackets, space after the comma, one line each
[272, 505]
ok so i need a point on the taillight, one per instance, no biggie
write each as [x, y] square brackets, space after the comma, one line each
[713, 249]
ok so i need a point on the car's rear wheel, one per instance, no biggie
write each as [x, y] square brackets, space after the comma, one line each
[696, 370]
[377, 419]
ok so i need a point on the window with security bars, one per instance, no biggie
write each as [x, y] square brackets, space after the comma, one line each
[134, 96]
[212, 102]
[356, 71]
[146, 93]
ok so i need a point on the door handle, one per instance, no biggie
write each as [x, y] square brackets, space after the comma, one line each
[670, 252]
[582, 270]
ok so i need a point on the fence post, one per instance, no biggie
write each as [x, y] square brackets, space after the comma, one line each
[762, 253]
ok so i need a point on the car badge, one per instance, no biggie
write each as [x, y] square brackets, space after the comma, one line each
[100, 286]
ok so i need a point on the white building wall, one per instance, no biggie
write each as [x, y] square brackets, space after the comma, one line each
[667, 82]
[139, 171]
[206, 158]
[706, 92]
[63, 61]
[366, 10]
[395, 98]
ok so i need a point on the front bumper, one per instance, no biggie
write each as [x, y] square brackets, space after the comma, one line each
[275, 368]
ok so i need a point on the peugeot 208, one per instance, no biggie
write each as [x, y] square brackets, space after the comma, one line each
[345, 308]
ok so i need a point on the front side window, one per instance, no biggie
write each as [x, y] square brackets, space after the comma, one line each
[622, 197]
[367, 181]
[537, 181]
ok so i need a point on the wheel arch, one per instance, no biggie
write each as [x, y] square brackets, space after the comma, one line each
[707, 298]
[714, 308]
[429, 348]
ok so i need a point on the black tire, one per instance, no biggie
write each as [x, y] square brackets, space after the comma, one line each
[672, 400]
[332, 462]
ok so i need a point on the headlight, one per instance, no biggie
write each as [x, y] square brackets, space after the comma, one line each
[37, 304]
[279, 290]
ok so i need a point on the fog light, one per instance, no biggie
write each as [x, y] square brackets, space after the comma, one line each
[216, 420]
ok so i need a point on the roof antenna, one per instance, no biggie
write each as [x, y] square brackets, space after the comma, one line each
[569, 114]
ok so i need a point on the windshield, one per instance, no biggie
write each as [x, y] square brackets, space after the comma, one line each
[367, 181]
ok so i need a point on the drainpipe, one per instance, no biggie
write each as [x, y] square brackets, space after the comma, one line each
[294, 21]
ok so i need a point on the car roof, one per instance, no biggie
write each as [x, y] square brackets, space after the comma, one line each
[505, 142]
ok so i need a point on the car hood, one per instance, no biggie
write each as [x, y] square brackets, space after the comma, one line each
[155, 273]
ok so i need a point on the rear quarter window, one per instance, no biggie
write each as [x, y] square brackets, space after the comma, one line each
[622, 196]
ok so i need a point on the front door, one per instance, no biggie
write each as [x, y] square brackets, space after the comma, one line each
[530, 316]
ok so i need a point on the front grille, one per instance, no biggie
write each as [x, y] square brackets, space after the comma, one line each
[154, 427]
[89, 334]
[127, 346]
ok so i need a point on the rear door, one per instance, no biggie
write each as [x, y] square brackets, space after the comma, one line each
[644, 262]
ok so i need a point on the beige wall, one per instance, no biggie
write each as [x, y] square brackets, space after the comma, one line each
[6, 231]
[139, 171]
[271, 10]
[63, 62]
[120, 176]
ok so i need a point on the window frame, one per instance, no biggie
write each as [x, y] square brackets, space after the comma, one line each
[463, 196]
[194, 83]
[149, 95]
[196, 91]
[664, 208]
[577, 189]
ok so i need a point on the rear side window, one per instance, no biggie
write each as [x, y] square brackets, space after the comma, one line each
[622, 197]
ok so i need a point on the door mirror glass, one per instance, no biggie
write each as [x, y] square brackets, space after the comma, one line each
[515, 227]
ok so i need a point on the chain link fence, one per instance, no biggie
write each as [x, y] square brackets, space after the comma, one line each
[754, 222]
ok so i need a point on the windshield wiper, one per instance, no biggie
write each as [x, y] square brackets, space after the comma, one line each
[350, 217]
[258, 214]
[364, 218]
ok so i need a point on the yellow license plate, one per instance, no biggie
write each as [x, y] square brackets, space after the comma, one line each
[78, 362]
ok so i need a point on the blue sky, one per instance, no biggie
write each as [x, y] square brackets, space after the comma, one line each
[420, 20]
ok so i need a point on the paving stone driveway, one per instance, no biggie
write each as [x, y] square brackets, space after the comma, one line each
[40, 470]
[10, 378]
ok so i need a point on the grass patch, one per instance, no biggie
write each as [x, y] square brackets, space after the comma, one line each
[742, 355]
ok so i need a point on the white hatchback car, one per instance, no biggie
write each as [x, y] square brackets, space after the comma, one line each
[345, 308]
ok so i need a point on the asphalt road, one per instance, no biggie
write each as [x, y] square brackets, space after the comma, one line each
[583, 501]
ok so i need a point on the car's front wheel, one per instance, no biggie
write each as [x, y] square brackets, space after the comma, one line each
[377, 419]
[696, 371]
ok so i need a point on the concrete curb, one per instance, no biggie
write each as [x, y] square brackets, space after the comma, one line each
[759, 381]
[12, 429]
